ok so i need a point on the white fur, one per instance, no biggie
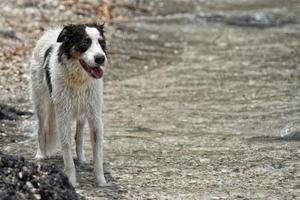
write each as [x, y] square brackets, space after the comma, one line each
[95, 48]
[75, 95]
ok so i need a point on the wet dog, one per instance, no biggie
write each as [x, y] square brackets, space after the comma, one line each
[66, 84]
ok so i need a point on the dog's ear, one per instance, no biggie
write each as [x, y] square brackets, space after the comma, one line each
[65, 33]
[100, 27]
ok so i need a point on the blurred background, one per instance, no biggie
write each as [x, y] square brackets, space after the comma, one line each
[198, 95]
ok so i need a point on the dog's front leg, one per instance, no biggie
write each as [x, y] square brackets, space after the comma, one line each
[96, 132]
[64, 129]
[79, 141]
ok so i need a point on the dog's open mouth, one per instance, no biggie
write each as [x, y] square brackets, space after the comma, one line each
[95, 72]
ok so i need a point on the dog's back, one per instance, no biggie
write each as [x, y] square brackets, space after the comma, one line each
[47, 40]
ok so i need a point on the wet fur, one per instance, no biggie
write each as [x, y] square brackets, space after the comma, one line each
[62, 91]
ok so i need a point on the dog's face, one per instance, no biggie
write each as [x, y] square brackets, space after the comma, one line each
[85, 43]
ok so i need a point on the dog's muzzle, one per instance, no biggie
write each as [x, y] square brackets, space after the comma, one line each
[94, 71]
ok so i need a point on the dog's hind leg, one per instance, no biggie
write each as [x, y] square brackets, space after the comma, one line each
[79, 140]
[40, 99]
[51, 134]
[41, 112]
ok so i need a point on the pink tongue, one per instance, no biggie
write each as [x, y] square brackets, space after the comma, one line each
[96, 72]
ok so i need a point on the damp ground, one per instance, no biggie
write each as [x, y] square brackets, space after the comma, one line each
[196, 95]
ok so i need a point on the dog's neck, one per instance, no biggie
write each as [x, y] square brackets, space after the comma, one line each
[74, 75]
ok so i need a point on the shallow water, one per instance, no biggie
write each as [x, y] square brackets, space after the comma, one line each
[194, 104]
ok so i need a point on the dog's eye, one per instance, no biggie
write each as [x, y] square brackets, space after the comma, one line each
[84, 44]
[87, 40]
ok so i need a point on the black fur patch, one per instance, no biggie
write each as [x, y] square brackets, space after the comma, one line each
[46, 67]
[74, 36]
[47, 53]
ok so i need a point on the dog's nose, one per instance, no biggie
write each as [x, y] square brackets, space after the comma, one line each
[100, 59]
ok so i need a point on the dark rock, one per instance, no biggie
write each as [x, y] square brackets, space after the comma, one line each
[11, 113]
[9, 34]
[255, 20]
[20, 179]
[259, 20]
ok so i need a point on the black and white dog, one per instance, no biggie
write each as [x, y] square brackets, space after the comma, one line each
[66, 83]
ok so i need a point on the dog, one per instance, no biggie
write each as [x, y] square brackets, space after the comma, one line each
[66, 84]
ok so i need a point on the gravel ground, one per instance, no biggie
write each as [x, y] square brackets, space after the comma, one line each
[196, 95]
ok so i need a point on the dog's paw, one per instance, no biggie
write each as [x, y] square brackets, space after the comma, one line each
[101, 181]
[82, 160]
[50, 153]
[71, 176]
[40, 156]
[104, 184]
[75, 184]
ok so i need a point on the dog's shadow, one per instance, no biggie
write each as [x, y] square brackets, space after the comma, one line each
[87, 183]
[86, 180]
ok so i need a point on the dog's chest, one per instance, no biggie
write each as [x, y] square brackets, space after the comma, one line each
[83, 101]
[79, 101]
[76, 78]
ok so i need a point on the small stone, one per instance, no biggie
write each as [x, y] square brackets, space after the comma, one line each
[25, 169]
[20, 175]
[236, 170]
[29, 184]
[37, 196]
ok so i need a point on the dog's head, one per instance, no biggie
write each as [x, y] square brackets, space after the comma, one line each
[86, 44]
